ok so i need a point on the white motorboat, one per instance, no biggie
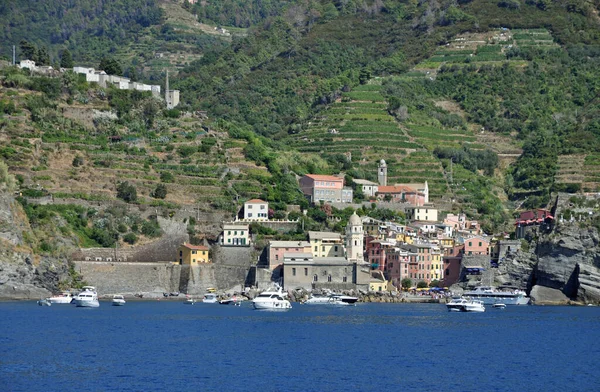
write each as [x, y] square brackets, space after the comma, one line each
[499, 306]
[272, 300]
[88, 298]
[189, 301]
[44, 302]
[235, 300]
[331, 299]
[210, 298]
[465, 305]
[318, 299]
[63, 298]
[118, 300]
[343, 300]
[490, 295]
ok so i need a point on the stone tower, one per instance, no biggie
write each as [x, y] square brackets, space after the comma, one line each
[382, 173]
[354, 239]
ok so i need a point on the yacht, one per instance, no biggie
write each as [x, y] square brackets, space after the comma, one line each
[88, 298]
[343, 300]
[318, 299]
[490, 295]
[465, 305]
[331, 299]
[63, 298]
[210, 298]
[272, 300]
[118, 300]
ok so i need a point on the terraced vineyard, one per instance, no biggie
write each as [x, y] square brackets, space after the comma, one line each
[591, 171]
[358, 124]
[195, 161]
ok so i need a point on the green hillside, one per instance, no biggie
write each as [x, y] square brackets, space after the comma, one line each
[495, 104]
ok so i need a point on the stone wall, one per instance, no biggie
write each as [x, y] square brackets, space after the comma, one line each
[130, 278]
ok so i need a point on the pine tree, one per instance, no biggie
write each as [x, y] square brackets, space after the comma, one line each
[66, 60]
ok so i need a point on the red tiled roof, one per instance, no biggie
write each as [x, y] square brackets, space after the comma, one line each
[396, 189]
[322, 177]
[256, 201]
[195, 247]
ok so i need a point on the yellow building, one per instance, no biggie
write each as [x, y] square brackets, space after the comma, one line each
[193, 255]
[379, 283]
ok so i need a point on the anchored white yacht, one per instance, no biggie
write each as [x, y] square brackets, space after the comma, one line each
[465, 305]
[272, 300]
[490, 295]
[331, 299]
[88, 298]
[63, 298]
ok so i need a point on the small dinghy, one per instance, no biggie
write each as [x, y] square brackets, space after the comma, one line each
[499, 306]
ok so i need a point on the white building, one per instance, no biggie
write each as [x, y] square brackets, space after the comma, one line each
[235, 235]
[422, 213]
[369, 188]
[29, 64]
[256, 210]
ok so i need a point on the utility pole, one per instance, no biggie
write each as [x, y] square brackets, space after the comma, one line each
[14, 56]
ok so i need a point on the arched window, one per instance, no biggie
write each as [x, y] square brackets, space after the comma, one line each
[315, 278]
[329, 278]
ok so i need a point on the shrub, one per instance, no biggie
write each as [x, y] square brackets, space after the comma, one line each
[166, 177]
[126, 192]
[151, 228]
[78, 161]
[130, 238]
[160, 192]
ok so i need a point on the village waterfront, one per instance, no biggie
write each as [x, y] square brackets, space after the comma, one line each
[165, 345]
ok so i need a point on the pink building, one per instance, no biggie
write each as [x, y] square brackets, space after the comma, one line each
[423, 269]
[477, 246]
[276, 250]
[329, 189]
[397, 265]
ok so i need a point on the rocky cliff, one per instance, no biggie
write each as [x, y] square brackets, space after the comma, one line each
[22, 274]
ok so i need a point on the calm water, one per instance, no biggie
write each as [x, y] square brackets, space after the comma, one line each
[168, 346]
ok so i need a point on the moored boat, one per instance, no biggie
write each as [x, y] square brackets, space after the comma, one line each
[88, 298]
[118, 300]
[490, 295]
[63, 298]
[210, 298]
[465, 305]
[272, 300]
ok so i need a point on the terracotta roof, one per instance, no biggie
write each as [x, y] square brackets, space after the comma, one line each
[195, 247]
[322, 177]
[395, 189]
[256, 201]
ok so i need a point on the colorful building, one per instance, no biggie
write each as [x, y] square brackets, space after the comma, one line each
[193, 254]
[326, 244]
[322, 188]
[277, 249]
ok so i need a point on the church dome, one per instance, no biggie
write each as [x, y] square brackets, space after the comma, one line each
[354, 220]
[382, 162]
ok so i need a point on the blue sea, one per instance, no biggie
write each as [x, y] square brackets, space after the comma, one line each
[169, 346]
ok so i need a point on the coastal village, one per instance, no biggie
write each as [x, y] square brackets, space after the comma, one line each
[428, 253]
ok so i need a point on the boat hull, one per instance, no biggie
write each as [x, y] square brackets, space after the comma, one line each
[279, 305]
[509, 299]
[93, 303]
[118, 303]
[60, 300]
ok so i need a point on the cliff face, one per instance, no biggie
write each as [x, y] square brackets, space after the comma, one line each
[569, 261]
[23, 275]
